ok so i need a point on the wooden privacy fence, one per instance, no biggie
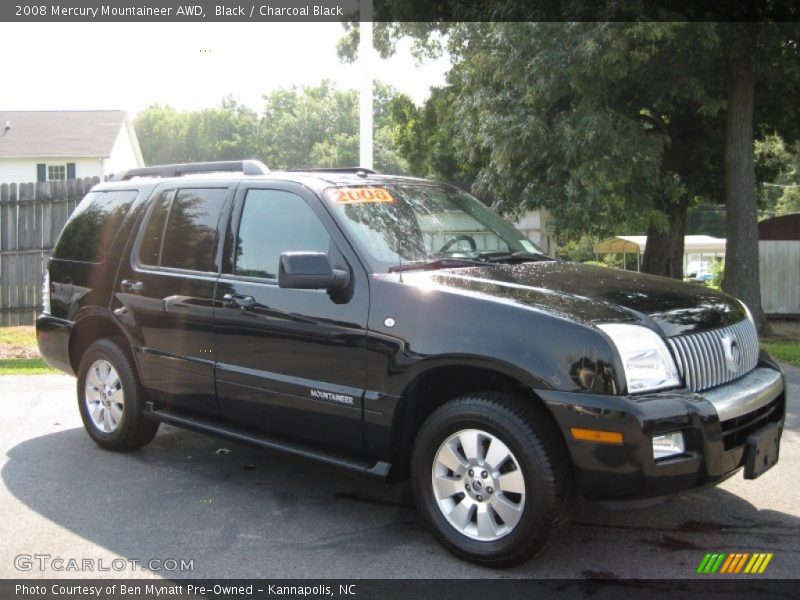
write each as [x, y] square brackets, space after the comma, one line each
[31, 217]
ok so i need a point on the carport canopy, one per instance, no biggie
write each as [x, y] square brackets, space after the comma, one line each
[634, 244]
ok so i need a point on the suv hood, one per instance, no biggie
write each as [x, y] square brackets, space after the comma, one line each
[590, 294]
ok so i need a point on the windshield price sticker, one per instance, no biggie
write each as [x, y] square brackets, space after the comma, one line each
[361, 195]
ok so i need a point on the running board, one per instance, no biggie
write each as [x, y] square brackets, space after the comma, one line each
[224, 430]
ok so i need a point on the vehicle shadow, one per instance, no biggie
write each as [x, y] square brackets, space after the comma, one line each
[238, 511]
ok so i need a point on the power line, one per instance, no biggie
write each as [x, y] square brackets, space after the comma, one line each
[781, 185]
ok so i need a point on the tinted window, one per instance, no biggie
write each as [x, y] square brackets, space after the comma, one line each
[150, 247]
[189, 240]
[91, 230]
[274, 222]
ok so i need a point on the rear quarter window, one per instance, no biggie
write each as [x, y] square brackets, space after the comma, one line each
[93, 227]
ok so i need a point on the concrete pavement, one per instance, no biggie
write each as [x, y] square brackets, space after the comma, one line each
[235, 511]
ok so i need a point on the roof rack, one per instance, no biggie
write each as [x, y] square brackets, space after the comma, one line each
[247, 167]
[355, 170]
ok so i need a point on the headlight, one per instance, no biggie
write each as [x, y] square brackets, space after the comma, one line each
[647, 361]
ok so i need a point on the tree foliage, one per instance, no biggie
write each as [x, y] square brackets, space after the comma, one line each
[297, 127]
[778, 170]
[167, 135]
[592, 120]
[609, 126]
[427, 136]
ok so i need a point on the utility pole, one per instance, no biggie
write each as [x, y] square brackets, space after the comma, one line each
[365, 95]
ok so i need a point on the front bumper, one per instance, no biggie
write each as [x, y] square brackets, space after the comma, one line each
[715, 424]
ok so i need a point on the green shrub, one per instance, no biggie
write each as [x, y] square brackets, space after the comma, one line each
[718, 272]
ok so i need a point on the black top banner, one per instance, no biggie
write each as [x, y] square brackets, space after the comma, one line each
[400, 10]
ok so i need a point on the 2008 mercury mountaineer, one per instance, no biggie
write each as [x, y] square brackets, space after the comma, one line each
[392, 324]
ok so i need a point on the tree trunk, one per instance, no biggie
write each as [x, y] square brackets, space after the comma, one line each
[663, 254]
[741, 251]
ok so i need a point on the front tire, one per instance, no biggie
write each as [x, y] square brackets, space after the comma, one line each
[110, 399]
[491, 476]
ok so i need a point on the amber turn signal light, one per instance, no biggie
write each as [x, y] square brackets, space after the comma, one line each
[596, 435]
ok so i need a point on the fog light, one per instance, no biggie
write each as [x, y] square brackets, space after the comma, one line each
[668, 444]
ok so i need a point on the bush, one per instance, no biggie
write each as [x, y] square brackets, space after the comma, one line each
[718, 272]
[580, 249]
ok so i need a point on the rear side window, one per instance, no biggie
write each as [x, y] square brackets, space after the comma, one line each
[181, 232]
[92, 228]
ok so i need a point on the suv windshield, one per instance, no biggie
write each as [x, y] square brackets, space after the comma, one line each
[407, 224]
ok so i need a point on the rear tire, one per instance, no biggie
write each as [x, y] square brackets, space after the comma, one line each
[111, 400]
[491, 475]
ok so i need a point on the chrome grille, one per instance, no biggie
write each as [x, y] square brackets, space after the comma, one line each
[711, 358]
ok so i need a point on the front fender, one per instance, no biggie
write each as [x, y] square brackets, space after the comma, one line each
[411, 330]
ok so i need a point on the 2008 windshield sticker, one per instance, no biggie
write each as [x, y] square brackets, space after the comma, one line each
[360, 195]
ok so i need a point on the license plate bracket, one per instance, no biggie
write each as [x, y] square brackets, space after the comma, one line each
[763, 447]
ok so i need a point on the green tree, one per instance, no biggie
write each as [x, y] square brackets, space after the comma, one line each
[314, 126]
[778, 172]
[168, 136]
[706, 218]
[579, 249]
[426, 136]
[161, 131]
[310, 126]
[607, 125]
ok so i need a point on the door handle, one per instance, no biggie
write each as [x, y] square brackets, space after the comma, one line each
[240, 301]
[131, 286]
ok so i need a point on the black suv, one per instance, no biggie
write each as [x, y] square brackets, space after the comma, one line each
[397, 327]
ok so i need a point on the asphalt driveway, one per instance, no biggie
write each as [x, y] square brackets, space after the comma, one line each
[234, 511]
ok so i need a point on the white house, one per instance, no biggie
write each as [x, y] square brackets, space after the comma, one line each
[66, 144]
[534, 225]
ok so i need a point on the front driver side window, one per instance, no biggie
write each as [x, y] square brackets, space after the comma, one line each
[274, 222]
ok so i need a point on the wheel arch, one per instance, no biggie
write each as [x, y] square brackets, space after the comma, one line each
[441, 383]
[90, 328]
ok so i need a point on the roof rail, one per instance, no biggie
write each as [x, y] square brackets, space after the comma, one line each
[248, 167]
[355, 170]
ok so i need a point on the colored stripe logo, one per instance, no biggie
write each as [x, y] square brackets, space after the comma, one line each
[734, 563]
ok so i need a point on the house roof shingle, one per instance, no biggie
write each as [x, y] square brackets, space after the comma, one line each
[59, 133]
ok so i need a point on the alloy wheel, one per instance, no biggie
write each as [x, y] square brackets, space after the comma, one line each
[478, 485]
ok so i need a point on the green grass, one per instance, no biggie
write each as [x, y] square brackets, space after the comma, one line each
[18, 336]
[786, 351]
[19, 354]
[25, 366]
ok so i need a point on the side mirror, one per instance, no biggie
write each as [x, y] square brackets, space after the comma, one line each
[310, 271]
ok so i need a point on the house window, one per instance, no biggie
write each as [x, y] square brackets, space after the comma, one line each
[56, 172]
[60, 172]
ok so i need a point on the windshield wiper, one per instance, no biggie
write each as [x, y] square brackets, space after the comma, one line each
[512, 256]
[438, 263]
